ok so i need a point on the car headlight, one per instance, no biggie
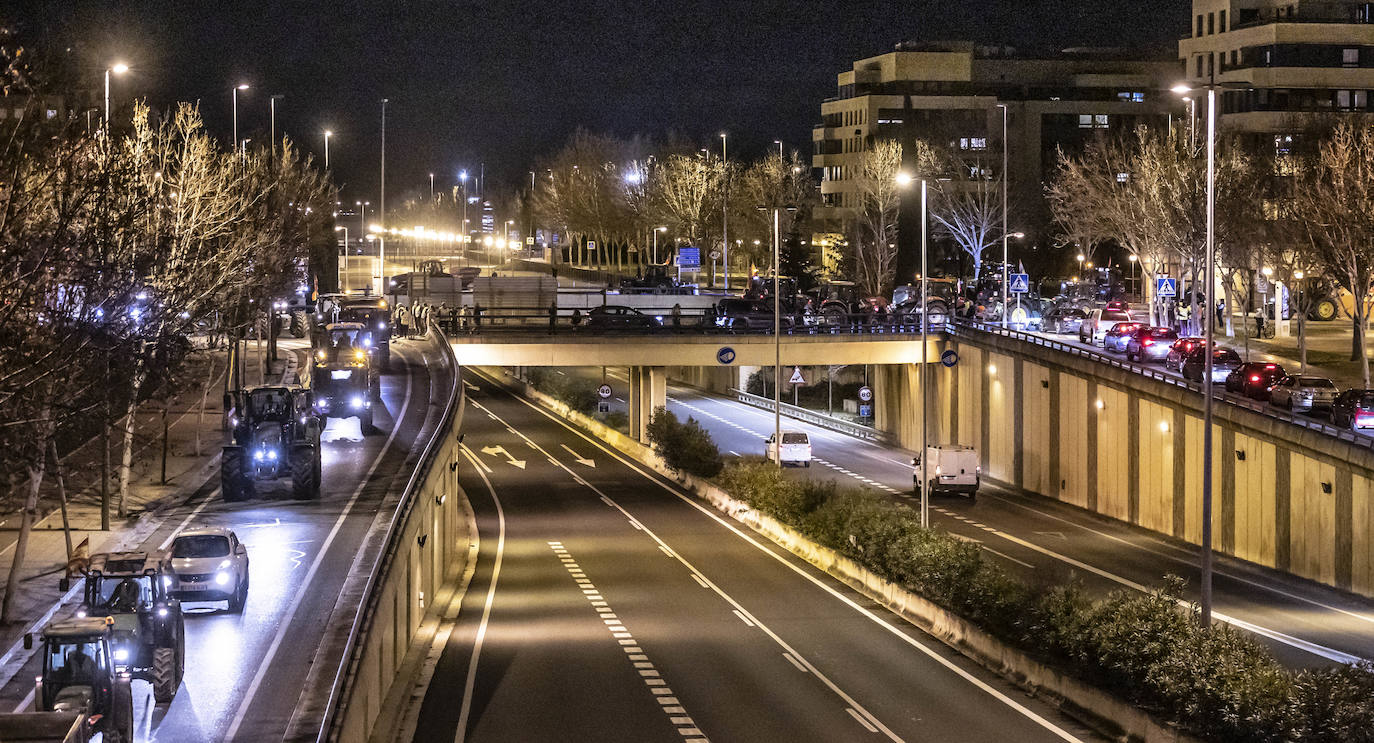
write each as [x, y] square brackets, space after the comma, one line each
[221, 578]
[121, 655]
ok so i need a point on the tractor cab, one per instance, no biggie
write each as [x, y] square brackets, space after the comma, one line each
[79, 677]
[274, 433]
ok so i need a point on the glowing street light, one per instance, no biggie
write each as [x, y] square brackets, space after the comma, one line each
[237, 88]
[327, 135]
[118, 68]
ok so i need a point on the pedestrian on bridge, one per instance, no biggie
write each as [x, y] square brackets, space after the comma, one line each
[402, 321]
[553, 316]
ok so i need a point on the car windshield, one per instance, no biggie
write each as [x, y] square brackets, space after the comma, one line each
[1321, 383]
[1163, 334]
[268, 403]
[74, 663]
[201, 545]
[794, 438]
[1226, 355]
[1365, 400]
[123, 594]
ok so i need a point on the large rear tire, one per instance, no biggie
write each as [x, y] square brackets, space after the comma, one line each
[236, 483]
[1325, 310]
[164, 674]
[120, 727]
[303, 472]
[365, 420]
[299, 324]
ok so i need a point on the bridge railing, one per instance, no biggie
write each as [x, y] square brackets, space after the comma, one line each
[665, 320]
[813, 417]
[973, 329]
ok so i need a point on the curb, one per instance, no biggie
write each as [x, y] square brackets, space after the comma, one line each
[1098, 709]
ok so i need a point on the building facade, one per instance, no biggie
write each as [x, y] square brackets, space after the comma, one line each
[1281, 62]
[952, 94]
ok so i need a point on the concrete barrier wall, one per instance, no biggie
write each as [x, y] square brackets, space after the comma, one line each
[1130, 447]
[426, 547]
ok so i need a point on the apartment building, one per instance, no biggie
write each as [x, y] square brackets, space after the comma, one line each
[952, 94]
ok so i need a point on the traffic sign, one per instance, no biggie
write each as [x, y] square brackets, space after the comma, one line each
[865, 411]
[949, 358]
[866, 394]
[715, 254]
[1020, 283]
[797, 377]
[604, 391]
[591, 245]
[689, 257]
[726, 355]
[1166, 287]
[603, 407]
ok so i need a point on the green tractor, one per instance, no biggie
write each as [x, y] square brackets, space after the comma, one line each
[80, 690]
[274, 433]
[147, 632]
[344, 374]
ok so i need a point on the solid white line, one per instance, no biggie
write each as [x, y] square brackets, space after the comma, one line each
[868, 614]
[698, 579]
[466, 709]
[1005, 556]
[867, 725]
[794, 662]
[284, 623]
[743, 618]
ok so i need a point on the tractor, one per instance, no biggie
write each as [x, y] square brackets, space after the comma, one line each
[147, 633]
[274, 433]
[343, 374]
[80, 692]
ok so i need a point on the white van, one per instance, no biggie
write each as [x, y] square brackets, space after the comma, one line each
[796, 448]
[951, 469]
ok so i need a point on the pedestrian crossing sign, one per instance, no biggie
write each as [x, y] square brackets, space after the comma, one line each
[1020, 283]
[1166, 287]
[797, 377]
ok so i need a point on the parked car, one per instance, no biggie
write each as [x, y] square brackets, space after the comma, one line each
[1115, 340]
[1150, 344]
[1354, 409]
[1224, 361]
[747, 314]
[1179, 350]
[796, 448]
[1303, 393]
[210, 564]
[1253, 379]
[949, 469]
[1096, 324]
[618, 317]
[1064, 320]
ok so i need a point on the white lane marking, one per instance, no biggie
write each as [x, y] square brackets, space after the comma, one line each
[466, 708]
[665, 550]
[285, 620]
[1005, 556]
[866, 613]
[867, 725]
[639, 660]
[698, 579]
[743, 618]
[1295, 642]
[734, 604]
[794, 662]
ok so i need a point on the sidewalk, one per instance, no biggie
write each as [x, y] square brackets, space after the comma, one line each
[151, 502]
[1328, 350]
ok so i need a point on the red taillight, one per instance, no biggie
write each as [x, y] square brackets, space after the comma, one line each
[1254, 377]
[1147, 342]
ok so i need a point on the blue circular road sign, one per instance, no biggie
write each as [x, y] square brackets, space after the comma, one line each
[949, 358]
[726, 355]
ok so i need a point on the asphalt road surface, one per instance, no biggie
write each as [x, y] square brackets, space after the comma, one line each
[1305, 624]
[607, 606]
[244, 673]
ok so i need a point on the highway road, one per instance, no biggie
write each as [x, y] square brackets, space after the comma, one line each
[607, 606]
[244, 673]
[1305, 624]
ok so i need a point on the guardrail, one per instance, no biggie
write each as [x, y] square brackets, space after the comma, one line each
[970, 329]
[811, 416]
[659, 320]
[333, 718]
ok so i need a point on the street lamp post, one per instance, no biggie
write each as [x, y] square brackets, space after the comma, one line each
[343, 268]
[237, 88]
[381, 208]
[431, 186]
[1006, 238]
[327, 135]
[777, 344]
[656, 231]
[1080, 268]
[118, 68]
[905, 180]
[272, 105]
[463, 178]
[725, 213]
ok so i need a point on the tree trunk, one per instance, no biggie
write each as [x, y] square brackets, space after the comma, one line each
[1361, 324]
[21, 546]
[126, 458]
[62, 494]
[204, 398]
[1302, 341]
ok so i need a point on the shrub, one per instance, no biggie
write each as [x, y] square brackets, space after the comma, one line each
[684, 447]
[1218, 683]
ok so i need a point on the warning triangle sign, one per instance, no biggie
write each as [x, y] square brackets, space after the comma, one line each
[797, 377]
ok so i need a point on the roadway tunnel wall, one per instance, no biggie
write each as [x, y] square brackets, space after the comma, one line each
[1129, 447]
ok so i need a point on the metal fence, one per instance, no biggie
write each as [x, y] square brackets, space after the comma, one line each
[811, 416]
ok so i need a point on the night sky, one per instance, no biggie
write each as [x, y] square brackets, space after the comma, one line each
[504, 82]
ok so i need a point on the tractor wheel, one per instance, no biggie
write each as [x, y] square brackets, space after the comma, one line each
[1325, 310]
[317, 466]
[303, 472]
[120, 726]
[299, 324]
[236, 483]
[375, 386]
[365, 420]
[164, 674]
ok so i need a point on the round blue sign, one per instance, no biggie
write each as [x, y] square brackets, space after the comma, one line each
[949, 358]
[726, 355]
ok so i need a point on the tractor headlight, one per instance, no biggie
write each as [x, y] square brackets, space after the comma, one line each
[221, 578]
[162, 611]
[81, 611]
[257, 455]
[360, 355]
[357, 401]
[272, 454]
[121, 655]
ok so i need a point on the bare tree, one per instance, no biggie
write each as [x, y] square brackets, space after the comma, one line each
[875, 249]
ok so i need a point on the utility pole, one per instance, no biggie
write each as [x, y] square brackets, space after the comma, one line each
[272, 104]
[381, 236]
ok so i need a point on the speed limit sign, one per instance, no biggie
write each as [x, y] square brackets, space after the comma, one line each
[866, 394]
[604, 391]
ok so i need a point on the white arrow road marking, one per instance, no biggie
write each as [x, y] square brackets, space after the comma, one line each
[579, 458]
[494, 450]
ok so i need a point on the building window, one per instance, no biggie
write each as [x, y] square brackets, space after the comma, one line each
[973, 143]
[1350, 57]
[1343, 100]
[52, 113]
[1199, 25]
[1199, 65]
[1211, 63]
[1131, 97]
[1283, 144]
[1092, 121]
[1222, 20]
[1211, 23]
[1361, 99]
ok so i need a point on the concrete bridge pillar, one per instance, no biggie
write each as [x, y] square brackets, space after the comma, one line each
[648, 391]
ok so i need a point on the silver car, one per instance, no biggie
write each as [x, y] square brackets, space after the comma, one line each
[210, 564]
[1303, 393]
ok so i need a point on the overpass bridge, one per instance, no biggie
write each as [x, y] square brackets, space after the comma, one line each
[648, 356]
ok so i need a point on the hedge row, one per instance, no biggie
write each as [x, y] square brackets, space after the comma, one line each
[1217, 684]
[571, 391]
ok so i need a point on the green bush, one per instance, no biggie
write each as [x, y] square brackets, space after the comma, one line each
[685, 447]
[1218, 683]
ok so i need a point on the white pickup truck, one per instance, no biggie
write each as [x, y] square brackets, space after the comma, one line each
[950, 469]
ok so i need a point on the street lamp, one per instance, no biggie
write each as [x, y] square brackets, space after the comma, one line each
[272, 106]
[656, 231]
[343, 270]
[904, 180]
[237, 88]
[118, 68]
[327, 135]
[431, 186]
[1080, 267]
[1005, 237]
[724, 213]
[1135, 262]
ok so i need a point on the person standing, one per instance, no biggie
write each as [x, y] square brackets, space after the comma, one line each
[402, 321]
